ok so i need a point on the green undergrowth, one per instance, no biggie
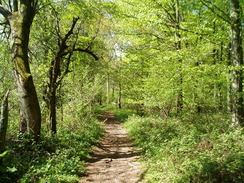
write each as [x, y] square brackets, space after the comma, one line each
[121, 114]
[54, 159]
[204, 149]
[99, 110]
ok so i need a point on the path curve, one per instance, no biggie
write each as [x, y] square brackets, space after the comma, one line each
[114, 159]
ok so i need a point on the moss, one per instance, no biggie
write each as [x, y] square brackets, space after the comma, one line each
[21, 68]
[20, 47]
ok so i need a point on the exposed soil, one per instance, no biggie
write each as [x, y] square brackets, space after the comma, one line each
[114, 159]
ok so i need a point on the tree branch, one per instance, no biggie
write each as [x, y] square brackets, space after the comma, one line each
[71, 29]
[4, 23]
[62, 41]
[166, 11]
[6, 13]
[204, 2]
[184, 29]
[87, 51]
[60, 79]
[223, 46]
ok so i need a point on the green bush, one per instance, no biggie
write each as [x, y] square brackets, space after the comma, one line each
[177, 151]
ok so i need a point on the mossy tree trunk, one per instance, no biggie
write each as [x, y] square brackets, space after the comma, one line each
[20, 21]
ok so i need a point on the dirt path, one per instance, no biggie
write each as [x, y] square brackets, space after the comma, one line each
[114, 159]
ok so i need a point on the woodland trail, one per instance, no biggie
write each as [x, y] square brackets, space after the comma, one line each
[114, 159]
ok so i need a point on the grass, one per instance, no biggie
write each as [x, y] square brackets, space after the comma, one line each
[203, 149]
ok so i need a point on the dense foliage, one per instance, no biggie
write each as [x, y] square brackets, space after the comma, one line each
[175, 63]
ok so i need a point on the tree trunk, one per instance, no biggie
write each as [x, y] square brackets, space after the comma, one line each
[51, 92]
[107, 89]
[29, 105]
[20, 22]
[56, 77]
[237, 62]
[228, 79]
[178, 48]
[3, 122]
[52, 112]
[120, 96]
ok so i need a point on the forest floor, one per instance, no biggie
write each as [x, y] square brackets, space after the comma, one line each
[114, 159]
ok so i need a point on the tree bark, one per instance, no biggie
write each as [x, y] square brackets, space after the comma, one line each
[237, 62]
[178, 48]
[52, 112]
[3, 122]
[120, 96]
[229, 98]
[20, 22]
[108, 89]
[54, 73]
